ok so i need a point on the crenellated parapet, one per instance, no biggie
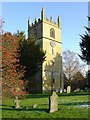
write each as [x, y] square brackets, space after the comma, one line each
[43, 19]
[51, 22]
[35, 23]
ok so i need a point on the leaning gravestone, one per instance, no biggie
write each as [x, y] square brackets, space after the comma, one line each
[53, 103]
[16, 101]
[68, 89]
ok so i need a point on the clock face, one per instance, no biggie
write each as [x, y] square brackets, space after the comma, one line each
[53, 44]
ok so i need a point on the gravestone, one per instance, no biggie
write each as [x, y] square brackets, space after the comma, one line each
[64, 90]
[68, 89]
[61, 90]
[53, 102]
[16, 101]
[34, 105]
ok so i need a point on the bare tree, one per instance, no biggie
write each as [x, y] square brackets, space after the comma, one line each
[71, 65]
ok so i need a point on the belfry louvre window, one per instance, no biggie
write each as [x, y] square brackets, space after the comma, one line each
[52, 33]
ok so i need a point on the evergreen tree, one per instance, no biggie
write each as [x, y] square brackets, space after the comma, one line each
[31, 55]
[85, 49]
[85, 45]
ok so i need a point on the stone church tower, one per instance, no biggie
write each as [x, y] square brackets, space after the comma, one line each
[48, 34]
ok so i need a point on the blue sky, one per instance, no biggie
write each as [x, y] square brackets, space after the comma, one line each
[73, 17]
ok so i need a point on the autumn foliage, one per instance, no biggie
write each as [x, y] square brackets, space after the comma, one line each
[12, 72]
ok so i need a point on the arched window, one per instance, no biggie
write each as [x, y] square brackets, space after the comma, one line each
[52, 33]
[35, 32]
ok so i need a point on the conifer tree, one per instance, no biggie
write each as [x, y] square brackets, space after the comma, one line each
[85, 46]
[85, 49]
[32, 56]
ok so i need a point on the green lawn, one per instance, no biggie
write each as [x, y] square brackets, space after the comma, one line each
[69, 107]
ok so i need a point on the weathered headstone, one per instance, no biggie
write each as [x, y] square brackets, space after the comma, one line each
[61, 90]
[34, 105]
[53, 102]
[64, 90]
[16, 101]
[68, 89]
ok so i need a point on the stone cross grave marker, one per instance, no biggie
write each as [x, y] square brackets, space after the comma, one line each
[16, 101]
[68, 89]
[53, 102]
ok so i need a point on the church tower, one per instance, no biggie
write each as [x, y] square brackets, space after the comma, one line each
[48, 34]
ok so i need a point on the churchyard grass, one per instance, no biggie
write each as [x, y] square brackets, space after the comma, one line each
[70, 106]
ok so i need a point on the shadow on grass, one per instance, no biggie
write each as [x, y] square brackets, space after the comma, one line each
[26, 109]
[76, 103]
[73, 94]
[45, 95]
[38, 95]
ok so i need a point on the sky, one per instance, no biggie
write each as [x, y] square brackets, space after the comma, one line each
[73, 16]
